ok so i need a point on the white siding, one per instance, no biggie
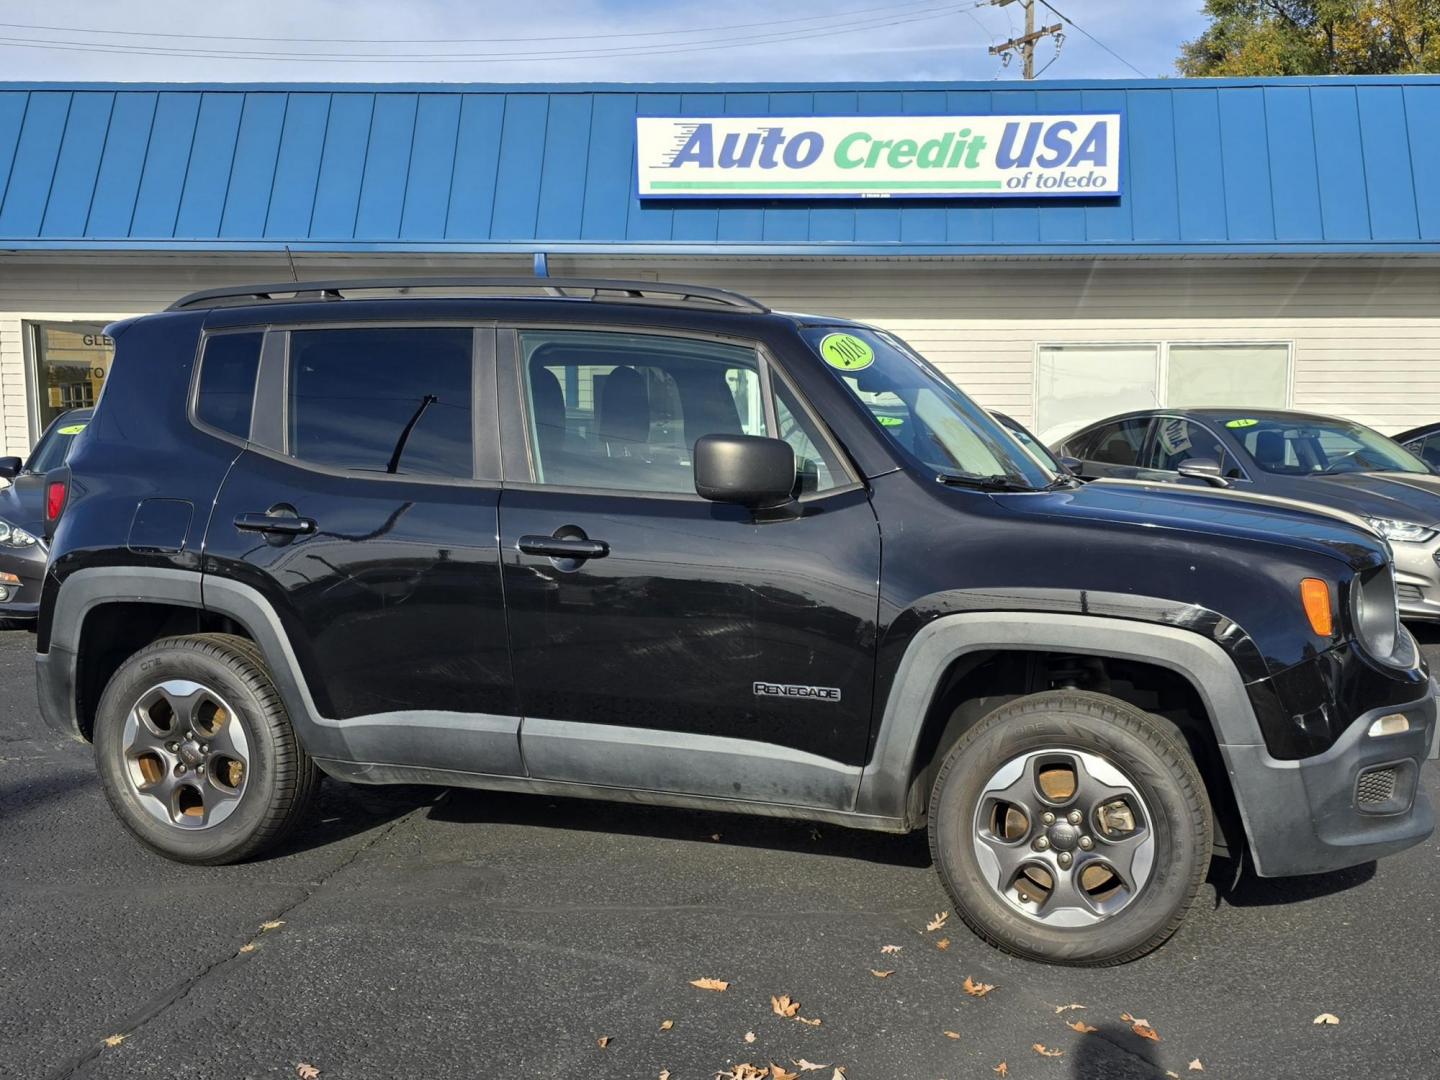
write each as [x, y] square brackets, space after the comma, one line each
[1365, 334]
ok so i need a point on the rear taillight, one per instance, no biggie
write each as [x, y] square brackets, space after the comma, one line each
[55, 493]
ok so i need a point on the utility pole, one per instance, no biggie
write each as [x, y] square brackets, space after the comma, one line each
[1025, 43]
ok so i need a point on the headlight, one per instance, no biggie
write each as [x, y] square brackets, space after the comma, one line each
[1375, 612]
[11, 536]
[1394, 529]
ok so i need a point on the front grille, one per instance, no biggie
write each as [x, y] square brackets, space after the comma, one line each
[1410, 592]
[1376, 787]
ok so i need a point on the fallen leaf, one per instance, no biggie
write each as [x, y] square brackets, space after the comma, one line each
[977, 989]
[943, 944]
[273, 924]
[1195, 1066]
[806, 1066]
[839, 1073]
[115, 1040]
[603, 1041]
[666, 1025]
[1080, 1026]
[1045, 1051]
[1066, 1008]
[249, 946]
[938, 921]
[749, 1036]
[1329, 1019]
[952, 1034]
[777, 1073]
[1141, 1027]
[881, 974]
[710, 984]
[306, 1071]
[806, 1020]
[664, 1074]
[783, 1006]
[744, 1071]
[1172, 1075]
[1002, 1069]
[891, 948]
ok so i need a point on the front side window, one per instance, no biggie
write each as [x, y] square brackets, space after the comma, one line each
[920, 411]
[623, 411]
[1178, 441]
[1319, 447]
[392, 400]
[226, 392]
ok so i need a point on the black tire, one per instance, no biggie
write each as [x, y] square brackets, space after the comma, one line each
[279, 781]
[1152, 756]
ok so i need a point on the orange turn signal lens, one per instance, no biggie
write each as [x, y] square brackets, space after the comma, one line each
[1315, 595]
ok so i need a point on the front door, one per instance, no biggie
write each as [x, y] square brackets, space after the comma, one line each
[362, 512]
[662, 641]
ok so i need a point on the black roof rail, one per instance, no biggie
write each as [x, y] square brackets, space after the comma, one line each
[606, 289]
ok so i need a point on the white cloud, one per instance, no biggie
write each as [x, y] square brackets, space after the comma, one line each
[590, 41]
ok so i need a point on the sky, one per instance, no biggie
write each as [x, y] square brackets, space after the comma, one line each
[576, 40]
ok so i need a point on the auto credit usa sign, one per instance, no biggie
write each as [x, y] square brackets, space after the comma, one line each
[1073, 155]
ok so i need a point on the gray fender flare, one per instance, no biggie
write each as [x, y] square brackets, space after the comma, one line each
[884, 785]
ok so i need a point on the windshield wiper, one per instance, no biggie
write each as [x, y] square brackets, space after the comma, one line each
[994, 482]
[1062, 481]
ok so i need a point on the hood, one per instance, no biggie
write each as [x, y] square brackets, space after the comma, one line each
[23, 503]
[1406, 496]
[1211, 513]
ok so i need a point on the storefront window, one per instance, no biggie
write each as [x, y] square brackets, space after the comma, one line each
[71, 362]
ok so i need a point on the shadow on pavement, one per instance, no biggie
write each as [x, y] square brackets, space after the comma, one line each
[1251, 890]
[670, 823]
[1114, 1052]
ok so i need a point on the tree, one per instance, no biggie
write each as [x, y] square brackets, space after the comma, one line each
[1315, 37]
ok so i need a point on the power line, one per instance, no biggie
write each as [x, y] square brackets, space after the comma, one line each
[62, 45]
[1065, 18]
[453, 40]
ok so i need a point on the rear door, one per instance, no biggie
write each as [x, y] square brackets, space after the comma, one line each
[697, 648]
[364, 509]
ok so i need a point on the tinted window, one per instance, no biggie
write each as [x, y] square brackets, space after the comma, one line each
[1427, 449]
[393, 400]
[227, 382]
[1177, 441]
[1118, 444]
[1319, 445]
[616, 410]
[817, 463]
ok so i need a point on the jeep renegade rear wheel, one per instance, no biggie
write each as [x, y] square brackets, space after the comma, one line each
[1072, 828]
[196, 753]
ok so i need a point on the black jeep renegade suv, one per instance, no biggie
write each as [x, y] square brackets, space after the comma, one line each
[659, 543]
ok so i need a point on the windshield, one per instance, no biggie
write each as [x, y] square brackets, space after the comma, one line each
[54, 445]
[1319, 447]
[1028, 441]
[920, 411]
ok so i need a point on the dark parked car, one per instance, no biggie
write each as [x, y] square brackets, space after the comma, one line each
[1424, 443]
[658, 543]
[1296, 455]
[22, 519]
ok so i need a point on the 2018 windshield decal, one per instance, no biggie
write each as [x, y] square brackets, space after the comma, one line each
[1075, 154]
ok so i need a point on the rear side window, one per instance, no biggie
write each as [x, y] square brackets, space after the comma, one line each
[386, 400]
[1119, 444]
[227, 382]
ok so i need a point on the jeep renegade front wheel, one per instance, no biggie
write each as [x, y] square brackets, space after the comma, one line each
[1072, 828]
[196, 753]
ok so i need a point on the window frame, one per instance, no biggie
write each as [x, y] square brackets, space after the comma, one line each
[1228, 453]
[516, 448]
[270, 419]
[192, 397]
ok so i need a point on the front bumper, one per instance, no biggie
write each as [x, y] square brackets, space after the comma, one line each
[1417, 579]
[1343, 823]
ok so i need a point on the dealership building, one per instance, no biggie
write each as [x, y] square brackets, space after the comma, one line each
[1062, 250]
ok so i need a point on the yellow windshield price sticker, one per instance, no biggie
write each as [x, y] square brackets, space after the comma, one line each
[71, 429]
[846, 352]
[1241, 423]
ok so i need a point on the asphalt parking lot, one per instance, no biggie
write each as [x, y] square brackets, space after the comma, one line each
[428, 934]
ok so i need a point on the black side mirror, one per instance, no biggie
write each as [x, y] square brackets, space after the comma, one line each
[10, 467]
[746, 469]
[1203, 468]
[1071, 463]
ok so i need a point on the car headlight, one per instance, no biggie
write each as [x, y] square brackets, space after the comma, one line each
[1375, 613]
[1395, 529]
[13, 536]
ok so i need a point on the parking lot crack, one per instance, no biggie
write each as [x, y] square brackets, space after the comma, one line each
[181, 990]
